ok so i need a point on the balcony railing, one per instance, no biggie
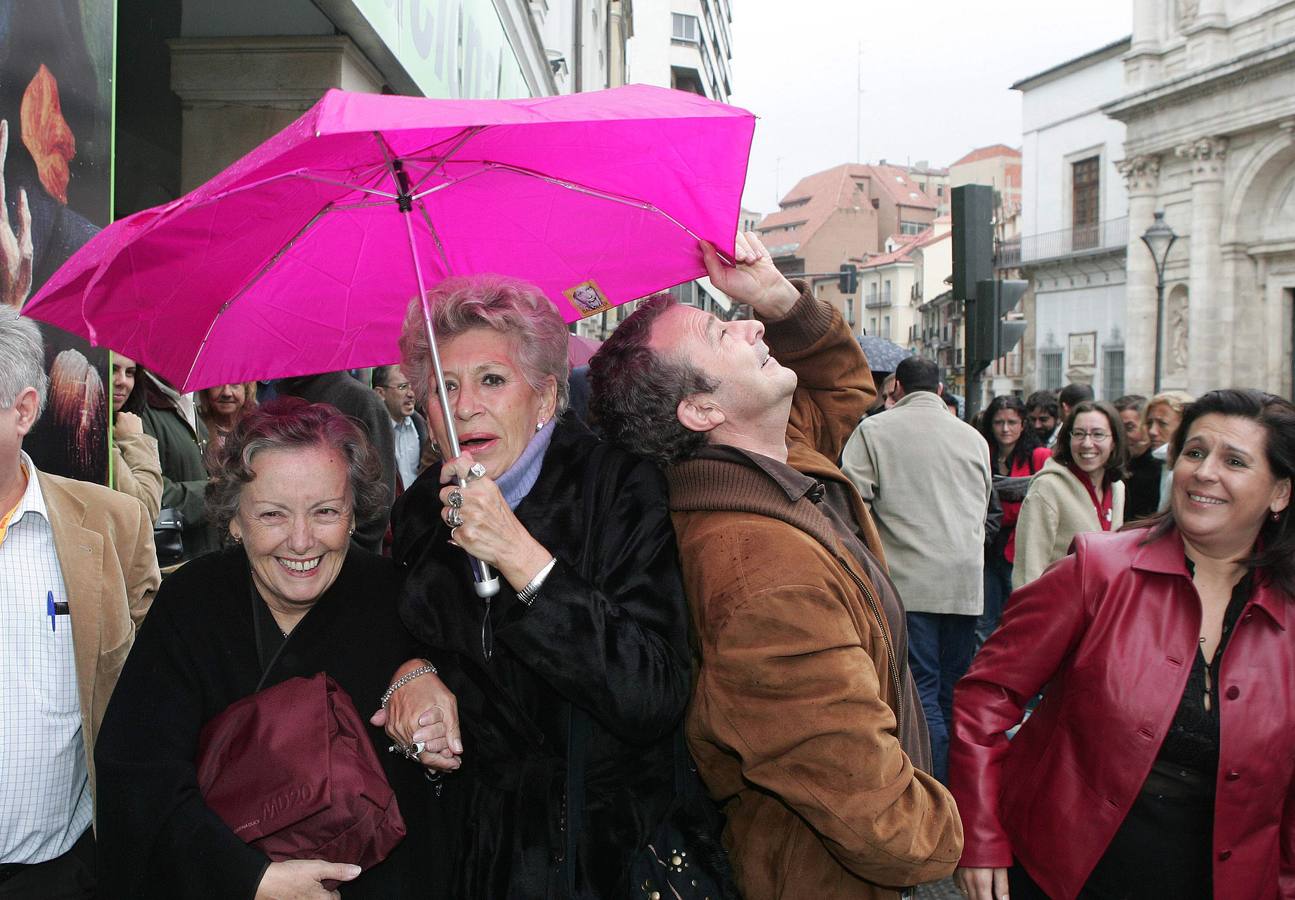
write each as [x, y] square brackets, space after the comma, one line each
[1109, 235]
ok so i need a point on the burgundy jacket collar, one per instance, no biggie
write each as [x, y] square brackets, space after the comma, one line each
[1167, 556]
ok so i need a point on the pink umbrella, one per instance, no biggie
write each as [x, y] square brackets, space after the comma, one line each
[581, 349]
[302, 256]
[296, 258]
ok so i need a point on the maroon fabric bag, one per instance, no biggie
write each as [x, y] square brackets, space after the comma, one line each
[265, 769]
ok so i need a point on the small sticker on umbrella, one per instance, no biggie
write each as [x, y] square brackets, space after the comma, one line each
[587, 298]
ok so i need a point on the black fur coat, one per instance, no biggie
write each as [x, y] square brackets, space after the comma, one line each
[614, 644]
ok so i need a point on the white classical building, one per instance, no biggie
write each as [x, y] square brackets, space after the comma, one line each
[1073, 225]
[1209, 107]
[684, 44]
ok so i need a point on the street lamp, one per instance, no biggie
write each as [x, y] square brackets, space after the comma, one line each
[1159, 238]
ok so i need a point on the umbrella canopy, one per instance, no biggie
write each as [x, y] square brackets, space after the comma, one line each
[883, 355]
[581, 349]
[302, 256]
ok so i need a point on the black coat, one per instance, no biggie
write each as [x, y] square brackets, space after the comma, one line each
[195, 655]
[616, 647]
[180, 450]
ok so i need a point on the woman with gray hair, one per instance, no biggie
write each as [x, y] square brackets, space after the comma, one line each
[572, 680]
[290, 597]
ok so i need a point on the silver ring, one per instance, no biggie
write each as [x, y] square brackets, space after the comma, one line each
[418, 747]
[454, 518]
[455, 498]
[477, 471]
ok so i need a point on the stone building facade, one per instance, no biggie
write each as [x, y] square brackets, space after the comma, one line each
[1209, 111]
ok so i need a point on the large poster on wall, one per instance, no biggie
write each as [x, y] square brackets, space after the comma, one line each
[56, 61]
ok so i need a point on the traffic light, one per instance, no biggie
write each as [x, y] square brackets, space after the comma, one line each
[989, 333]
[1010, 331]
[972, 238]
[849, 282]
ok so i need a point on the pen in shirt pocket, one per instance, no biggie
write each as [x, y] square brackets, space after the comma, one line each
[53, 610]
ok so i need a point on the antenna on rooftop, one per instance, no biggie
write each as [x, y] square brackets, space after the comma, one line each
[858, 108]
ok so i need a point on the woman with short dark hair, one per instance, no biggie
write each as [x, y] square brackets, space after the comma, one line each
[289, 597]
[1158, 763]
[1081, 488]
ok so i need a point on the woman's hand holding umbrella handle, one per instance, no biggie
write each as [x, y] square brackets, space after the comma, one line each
[424, 710]
[982, 884]
[489, 530]
[755, 280]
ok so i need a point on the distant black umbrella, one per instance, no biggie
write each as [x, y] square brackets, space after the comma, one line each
[883, 355]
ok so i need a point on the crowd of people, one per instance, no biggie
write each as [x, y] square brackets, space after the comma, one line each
[751, 639]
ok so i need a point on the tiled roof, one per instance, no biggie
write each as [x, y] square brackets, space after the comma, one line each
[987, 153]
[815, 197]
[904, 252]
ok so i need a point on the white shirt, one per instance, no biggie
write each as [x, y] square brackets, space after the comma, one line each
[407, 450]
[45, 800]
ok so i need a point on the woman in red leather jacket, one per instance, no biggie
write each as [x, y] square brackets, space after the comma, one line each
[1160, 761]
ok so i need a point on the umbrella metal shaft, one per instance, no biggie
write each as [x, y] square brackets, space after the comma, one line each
[484, 579]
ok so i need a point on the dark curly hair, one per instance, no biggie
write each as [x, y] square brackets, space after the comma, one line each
[1275, 556]
[1026, 444]
[290, 423]
[635, 392]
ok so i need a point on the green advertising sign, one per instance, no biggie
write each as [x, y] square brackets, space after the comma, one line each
[450, 48]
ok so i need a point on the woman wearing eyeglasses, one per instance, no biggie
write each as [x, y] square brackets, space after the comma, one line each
[1081, 488]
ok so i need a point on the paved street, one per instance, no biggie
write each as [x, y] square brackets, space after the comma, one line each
[938, 890]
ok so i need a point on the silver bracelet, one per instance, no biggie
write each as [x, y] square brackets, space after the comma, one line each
[527, 594]
[427, 669]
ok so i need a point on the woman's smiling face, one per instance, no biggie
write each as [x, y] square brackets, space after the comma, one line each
[294, 521]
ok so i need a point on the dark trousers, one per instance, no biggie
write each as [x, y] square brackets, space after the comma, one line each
[67, 877]
[998, 587]
[940, 647]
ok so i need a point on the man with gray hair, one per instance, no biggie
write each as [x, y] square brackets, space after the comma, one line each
[77, 575]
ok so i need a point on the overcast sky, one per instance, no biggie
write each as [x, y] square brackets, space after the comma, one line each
[935, 77]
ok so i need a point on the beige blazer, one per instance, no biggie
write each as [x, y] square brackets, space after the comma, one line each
[104, 542]
[1056, 508]
[137, 470]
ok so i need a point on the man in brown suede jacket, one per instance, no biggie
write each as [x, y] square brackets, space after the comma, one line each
[803, 721]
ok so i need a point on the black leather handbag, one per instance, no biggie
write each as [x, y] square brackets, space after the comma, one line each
[168, 536]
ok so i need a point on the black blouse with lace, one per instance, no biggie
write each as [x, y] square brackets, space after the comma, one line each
[1164, 848]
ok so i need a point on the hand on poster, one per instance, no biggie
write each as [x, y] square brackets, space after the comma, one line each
[15, 249]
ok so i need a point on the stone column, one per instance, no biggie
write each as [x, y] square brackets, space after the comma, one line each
[1142, 175]
[237, 91]
[1210, 312]
[1207, 33]
[1146, 31]
[1142, 62]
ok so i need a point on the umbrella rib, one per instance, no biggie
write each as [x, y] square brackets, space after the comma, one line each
[291, 242]
[355, 187]
[440, 250]
[567, 184]
[363, 204]
[467, 135]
